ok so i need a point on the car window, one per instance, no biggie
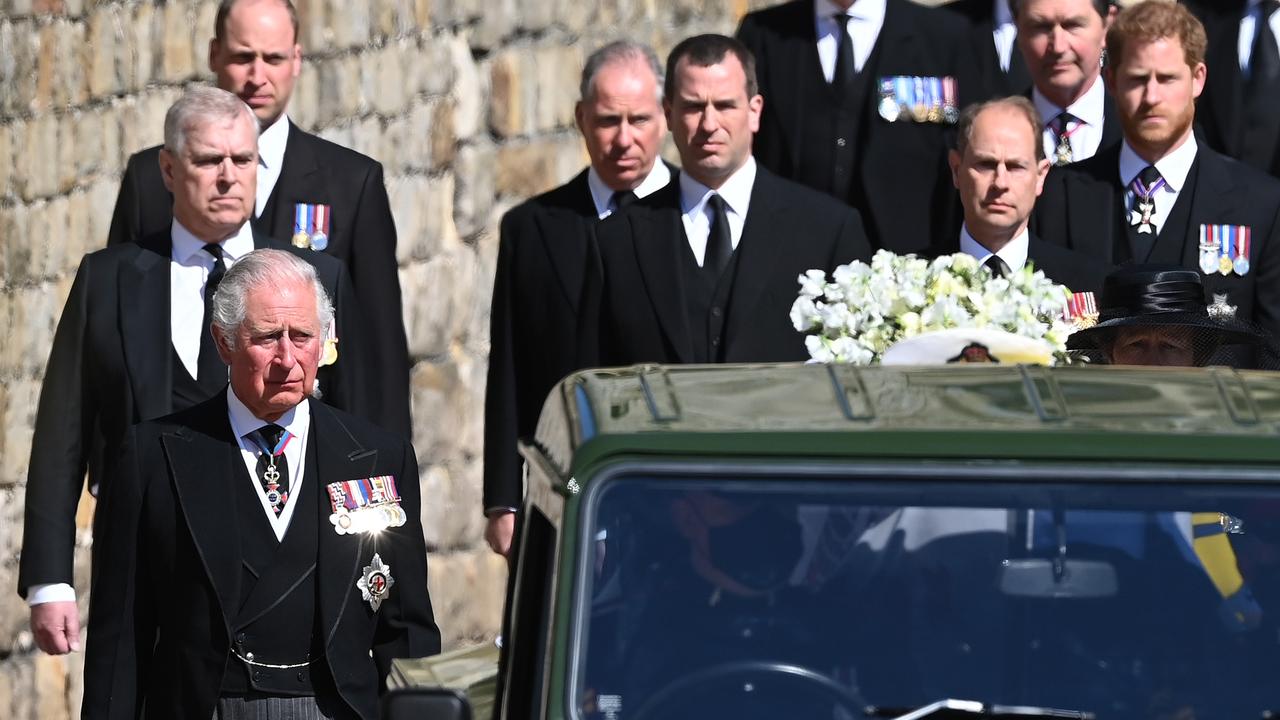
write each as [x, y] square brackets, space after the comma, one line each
[787, 597]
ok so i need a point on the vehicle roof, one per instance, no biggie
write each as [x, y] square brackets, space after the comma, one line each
[1211, 415]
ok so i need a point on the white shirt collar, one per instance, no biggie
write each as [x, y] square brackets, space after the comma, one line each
[186, 245]
[1003, 15]
[271, 143]
[602, 195]
[1090, 107]
[1014, 253]
[736, 191]
[1173, 167]
[871, 11]
[296, 419]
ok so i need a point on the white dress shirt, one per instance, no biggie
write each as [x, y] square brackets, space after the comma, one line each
[1003, 33]
[1248, 25]
[602, 195]
[271, 144]
[1014, 252]
[1090, 108]
[297, 422]
[1173, 167]
[866, 17]
[189, 269]
[696, 213]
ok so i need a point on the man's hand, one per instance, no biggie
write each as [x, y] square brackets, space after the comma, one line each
[56, 626]
[498, 532]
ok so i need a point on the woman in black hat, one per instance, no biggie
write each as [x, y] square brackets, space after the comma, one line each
[1157, 315]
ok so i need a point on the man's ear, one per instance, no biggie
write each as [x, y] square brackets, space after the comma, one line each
[221, 344]
[166, 168]
[953, 160]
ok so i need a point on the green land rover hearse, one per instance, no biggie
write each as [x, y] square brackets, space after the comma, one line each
[811, 541]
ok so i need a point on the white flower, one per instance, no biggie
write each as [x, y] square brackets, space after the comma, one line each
[804, 313]
[812, 283]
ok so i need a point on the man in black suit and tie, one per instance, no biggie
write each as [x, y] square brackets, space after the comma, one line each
[999, 168]
[1159, 197]
[541, 257]
[262, 554]
[705, 270]
[321, 195]
[994, 37]
[1063, 43]
[1241, 99]
[859, 100]
[133, 343]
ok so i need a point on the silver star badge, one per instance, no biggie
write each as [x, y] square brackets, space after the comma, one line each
[376, 582]
[1219, 309]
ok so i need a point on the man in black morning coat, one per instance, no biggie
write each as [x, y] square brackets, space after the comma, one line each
[827, 72]
[1160, 196]
[224, 588]
[541, 256]
[994, 37]
[255, 54]
[132, 343]
[706, 270]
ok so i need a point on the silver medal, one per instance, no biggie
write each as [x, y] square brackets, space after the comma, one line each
[375, 584]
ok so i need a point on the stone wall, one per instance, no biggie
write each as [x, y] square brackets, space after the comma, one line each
[468, 104]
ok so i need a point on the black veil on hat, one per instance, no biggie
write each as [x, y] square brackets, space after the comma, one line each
[1167, 296]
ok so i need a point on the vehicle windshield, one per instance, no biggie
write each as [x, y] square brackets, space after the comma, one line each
[817, 598]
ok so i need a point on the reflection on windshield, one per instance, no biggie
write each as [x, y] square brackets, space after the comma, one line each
[795, 599]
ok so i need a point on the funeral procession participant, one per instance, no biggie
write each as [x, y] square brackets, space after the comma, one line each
[133, 342]
[1064, 42]
[321, 196]
[859, 98]
[999, 169]
[994, 38]
[541, 258]
[1159, 197]
[1241, 98]
[262, 552]
[705, 270]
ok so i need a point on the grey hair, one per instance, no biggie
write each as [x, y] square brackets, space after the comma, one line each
[259, 269]
[616, 52]
[200, 106]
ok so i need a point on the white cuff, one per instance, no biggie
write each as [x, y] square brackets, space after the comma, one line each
[50, 592]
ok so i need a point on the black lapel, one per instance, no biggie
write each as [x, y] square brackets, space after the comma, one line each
[756, 254]
[299, 180]
[657, 235]
[1227, 83]
[562, 230]
[296, 550]
[144, 325]
[339, 456]
[1112, 132]
[1094, 201]
[204, 460]
[1213, 199]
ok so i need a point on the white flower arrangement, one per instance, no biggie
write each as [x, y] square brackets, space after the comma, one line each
[864, 309]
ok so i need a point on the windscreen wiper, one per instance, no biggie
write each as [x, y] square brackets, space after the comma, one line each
[951, 708]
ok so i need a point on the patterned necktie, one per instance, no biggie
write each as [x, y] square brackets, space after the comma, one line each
[719, 242]
[211, 373]
[845, 69]
[273, 466]
[997, 266]
[1061, 126]
[1144, 187]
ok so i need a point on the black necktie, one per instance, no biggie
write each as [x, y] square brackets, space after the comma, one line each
[273, 467]
[719, 241]
[622, 199]
[1061, 126]
[845, 69]
[997, 266]
[211, 373]
[1262, 93]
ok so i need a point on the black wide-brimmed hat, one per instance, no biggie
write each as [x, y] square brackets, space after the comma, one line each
[1160, 295]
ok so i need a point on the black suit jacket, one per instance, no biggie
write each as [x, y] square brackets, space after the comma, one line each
[1083, 205]
[641, 316]
[111, 367]
[902, 165]
[168, 587]
[1079, 273]
[362, 235]
[995, 81]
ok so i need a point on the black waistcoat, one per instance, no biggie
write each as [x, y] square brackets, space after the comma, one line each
[1176, 223]
[706, 305]
[276, 620]
[186, 390]
[832, 132]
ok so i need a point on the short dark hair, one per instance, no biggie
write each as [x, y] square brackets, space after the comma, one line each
[705, 51]
[1148, 22]
[964, 128]
[224, 9]
[1102, 7]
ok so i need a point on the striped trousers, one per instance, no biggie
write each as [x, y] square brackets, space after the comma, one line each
[271, 708]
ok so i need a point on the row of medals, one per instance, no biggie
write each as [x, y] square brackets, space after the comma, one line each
[315, 241]
[892, 110]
